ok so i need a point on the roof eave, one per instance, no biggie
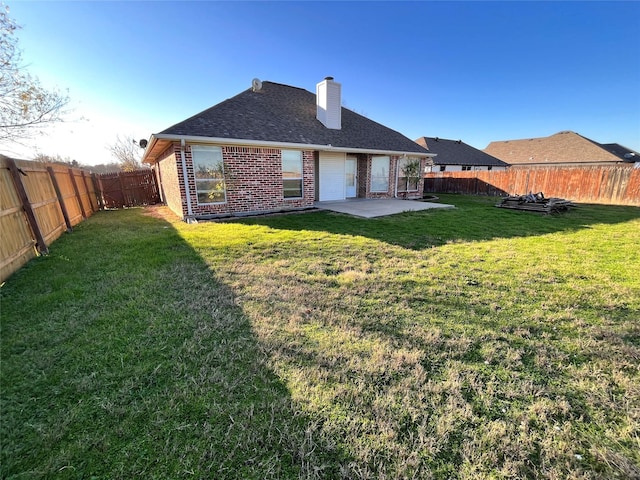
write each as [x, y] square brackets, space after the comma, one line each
[154, 149]
[159, 141]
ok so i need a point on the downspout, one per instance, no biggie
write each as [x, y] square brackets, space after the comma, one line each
[183, 160]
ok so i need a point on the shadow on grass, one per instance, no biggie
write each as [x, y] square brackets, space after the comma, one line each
[475, 218]
[123, 357]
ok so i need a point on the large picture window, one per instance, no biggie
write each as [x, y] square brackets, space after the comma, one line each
[380, 174]
[292, 173]
[208, 169]
[408, 174]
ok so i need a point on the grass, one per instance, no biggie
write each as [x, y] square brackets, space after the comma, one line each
[466, 343]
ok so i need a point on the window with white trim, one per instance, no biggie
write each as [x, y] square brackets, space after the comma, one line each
[408, 174]
[208, 169]
[380, 174]
[292, 173]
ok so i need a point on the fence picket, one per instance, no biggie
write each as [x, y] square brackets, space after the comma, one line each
[615, 185]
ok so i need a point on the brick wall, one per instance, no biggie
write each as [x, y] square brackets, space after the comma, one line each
[253, 177]
[418, 193]
[364, 167]
[364, 179]
[171, 183]
[392, 179]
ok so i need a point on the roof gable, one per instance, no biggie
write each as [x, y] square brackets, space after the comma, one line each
[562, 147]
[456, 152]
[281, 113]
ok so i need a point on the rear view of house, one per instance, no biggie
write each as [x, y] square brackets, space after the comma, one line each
[276, 148]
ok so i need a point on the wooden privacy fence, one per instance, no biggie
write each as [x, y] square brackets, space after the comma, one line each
[614, 185]
[38, 202]
[128, 189]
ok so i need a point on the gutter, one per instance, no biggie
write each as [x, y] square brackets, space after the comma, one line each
[263, 143]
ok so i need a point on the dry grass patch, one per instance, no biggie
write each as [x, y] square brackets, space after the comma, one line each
[496, 358]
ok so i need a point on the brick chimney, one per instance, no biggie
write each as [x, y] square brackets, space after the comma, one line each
[328, 103]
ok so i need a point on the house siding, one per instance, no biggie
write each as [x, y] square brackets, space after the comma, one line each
[253, 177]
[458, 168]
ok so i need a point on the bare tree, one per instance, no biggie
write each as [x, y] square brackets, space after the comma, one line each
[25, 106]
[128, 153]
[104, 168]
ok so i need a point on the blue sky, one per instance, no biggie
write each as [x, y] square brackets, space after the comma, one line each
[476, 71]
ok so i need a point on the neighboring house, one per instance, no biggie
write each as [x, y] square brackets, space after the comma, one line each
[457, 156]
[561, 149]
[275, 148]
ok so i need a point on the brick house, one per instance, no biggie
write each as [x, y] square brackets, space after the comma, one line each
[276, 148]
[563, 149]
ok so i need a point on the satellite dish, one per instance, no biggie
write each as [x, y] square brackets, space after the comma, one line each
[142, 143]
[256, 84]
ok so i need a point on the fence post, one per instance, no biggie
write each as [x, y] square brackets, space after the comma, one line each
[63, 207]
[86, 187]
[77, 192]
[26, 205]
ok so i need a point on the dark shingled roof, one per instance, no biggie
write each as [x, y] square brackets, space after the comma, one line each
[281, 113]
[624, 153]
[456, 152]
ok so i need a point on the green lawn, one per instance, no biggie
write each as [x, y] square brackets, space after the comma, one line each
[468, 343]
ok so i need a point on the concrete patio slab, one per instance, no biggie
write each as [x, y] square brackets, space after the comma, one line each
[370, 208]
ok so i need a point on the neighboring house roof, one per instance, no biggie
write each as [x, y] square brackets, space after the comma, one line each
[456, 152]
[624, 153]
[561, 148]
[281, 114]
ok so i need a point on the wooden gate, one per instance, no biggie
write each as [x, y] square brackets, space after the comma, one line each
[128, 189]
